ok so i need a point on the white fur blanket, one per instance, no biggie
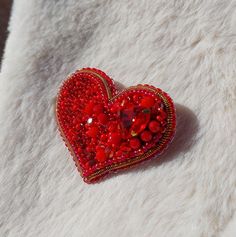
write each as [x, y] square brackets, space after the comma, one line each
[187, 48]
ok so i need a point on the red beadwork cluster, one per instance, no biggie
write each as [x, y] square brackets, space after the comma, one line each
[102, 128]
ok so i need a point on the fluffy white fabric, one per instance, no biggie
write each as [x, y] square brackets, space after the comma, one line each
[187, 48]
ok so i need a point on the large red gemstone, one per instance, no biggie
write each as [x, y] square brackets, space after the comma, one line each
[126, 117]
[134, 120]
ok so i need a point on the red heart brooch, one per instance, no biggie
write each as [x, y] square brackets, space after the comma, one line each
[106, 130]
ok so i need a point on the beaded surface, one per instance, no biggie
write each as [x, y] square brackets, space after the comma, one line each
[106, 130]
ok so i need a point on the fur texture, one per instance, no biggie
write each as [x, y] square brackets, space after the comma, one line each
[187, 48]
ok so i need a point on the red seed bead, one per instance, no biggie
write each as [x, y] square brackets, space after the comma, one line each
[119, 154]
[89, 149]
[154, 126]
[79, 150]
[103, 137]
[102, 118]
[146, 136]
[136, 97]
[89, 108]
[97, 109]
[112, 126]
[93, 141]
[125, 147]
[64, 92]
[78, 126]
[147, 101]
[134, 143]
[101, 155]
[74, 107]
[116, 107]
[92, 132]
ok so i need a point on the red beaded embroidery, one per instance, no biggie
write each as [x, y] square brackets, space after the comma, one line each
[107, 131]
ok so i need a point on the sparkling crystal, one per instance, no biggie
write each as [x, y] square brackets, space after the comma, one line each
[90, 120]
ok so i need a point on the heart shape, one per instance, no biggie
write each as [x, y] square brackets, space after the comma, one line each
[107, 131]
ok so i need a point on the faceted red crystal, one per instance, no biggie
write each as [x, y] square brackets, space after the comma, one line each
[147, 102]
[92, 132]
[89, 108]
[127, 115]
[134, 120]
[102, 118]
[139, 123]
[97, 109]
